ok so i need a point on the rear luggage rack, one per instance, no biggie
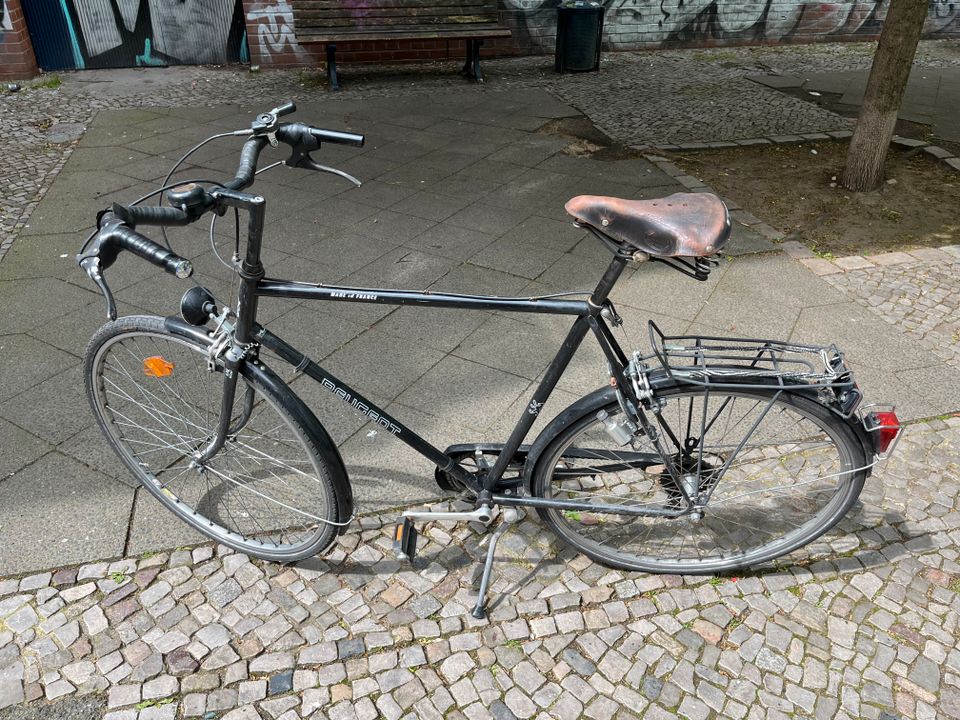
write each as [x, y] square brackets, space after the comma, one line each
[747, 362]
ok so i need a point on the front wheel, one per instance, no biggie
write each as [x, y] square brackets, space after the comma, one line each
[268, 492]
[768, 473]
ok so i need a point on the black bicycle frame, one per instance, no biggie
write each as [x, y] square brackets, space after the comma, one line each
[588, 314]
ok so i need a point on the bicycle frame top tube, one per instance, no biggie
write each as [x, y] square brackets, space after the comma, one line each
[253, 285]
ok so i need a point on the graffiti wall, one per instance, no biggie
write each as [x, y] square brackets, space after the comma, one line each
[272, 42]
[6, 24]
[130, 33]
[635, 24]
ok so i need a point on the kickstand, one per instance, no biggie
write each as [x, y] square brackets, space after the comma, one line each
[510, 516]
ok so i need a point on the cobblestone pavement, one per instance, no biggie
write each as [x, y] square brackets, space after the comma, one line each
[914, 291]
[862, 625]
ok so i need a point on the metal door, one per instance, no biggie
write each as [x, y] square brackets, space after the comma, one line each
[78, 34]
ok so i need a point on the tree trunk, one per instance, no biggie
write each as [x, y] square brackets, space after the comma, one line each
[888, 79]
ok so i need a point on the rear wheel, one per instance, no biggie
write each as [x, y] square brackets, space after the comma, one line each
[769, 472]
[267, 492]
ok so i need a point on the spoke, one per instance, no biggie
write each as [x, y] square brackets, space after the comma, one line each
[262, 484]
[755, 453]
[265, 497]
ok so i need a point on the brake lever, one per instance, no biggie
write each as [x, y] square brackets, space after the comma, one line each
[300, 158]
[91, 266]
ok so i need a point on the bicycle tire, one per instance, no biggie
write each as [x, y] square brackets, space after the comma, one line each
[125, 397]
[555, 461]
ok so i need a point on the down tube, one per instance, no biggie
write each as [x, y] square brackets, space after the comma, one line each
[344, 392]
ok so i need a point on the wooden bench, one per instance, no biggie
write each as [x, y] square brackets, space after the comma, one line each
[329, 22]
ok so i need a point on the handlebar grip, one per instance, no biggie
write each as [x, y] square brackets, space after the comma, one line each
[151, 251]
[134, 215]
[337, 136]
[288, 107]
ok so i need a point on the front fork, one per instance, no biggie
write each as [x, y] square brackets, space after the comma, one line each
[225, 351]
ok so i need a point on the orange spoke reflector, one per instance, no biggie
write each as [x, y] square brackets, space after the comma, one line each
[157, 367]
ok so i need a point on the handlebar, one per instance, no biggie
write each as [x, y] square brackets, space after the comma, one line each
[114, 236]
[117, 225]
[134, 215]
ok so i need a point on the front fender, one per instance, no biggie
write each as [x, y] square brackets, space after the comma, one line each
[297, 408]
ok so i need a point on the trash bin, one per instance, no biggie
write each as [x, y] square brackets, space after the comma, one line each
[579, 35]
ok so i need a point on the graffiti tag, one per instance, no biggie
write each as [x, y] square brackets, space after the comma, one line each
[275, 28]
[638, 23]
[6, 23]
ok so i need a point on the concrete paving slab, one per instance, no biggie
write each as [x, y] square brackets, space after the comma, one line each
[27, 362]
[508, 256]
[90, 447]
[937, 387]
[360, 363]
[57, 511]
[883, 358]
[54, 409]
[488, 219]
[20, 448]
[153, 527]
[443, 328]
[41, 256]
[452, 241]
[517, 344]
[481, 392]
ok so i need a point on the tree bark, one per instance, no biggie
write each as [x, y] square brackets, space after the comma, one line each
[881, 102]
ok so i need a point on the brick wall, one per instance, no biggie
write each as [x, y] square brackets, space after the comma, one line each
[17, 61]
[712, 23]
[272, 42]
[638, 25]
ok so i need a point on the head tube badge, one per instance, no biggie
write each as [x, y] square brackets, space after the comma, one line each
[157, 367]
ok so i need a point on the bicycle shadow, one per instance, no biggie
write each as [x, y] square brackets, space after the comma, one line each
[381, 495]
[871, 545]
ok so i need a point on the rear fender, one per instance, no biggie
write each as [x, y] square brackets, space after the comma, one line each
[659, 380]
[591, 403]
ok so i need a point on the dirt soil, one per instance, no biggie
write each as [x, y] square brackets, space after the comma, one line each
[789, 187]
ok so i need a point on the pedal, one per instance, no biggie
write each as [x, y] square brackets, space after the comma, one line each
[405, 540]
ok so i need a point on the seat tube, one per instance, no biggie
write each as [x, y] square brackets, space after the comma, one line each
[574, 337]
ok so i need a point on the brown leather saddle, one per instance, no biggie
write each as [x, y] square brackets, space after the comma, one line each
[682, 224]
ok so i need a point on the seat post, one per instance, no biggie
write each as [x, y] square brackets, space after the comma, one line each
[609, 279]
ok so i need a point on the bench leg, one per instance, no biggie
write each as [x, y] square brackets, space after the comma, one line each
[471, 67]
[332, 66]
[468, 62]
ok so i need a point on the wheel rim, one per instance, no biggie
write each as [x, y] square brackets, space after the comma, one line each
[263, 492]
[789, 482]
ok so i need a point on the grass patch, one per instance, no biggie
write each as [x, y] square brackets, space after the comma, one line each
[144, 704]
[50, 82]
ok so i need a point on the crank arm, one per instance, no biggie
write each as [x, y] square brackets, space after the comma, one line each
[483, 514]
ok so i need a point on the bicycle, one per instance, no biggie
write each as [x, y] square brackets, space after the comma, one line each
[704, 455]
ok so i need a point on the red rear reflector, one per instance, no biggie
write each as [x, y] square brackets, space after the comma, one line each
[887, 427]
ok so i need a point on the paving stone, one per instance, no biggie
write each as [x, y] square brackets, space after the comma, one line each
[281, 683]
